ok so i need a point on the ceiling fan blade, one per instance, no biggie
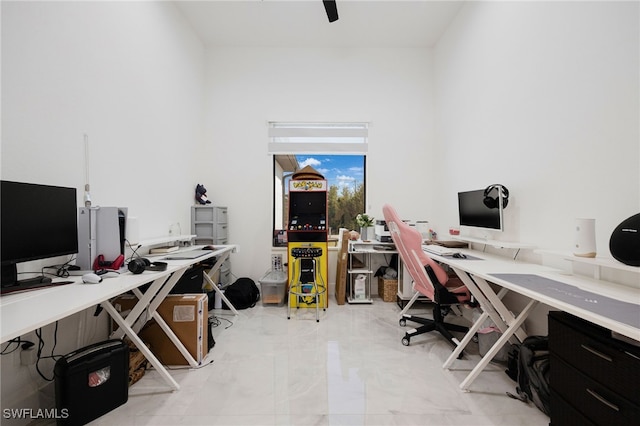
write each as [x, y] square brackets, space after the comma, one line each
[332, 10]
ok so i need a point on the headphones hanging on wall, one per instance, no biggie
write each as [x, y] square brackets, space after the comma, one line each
[492, 202]
[141, 264]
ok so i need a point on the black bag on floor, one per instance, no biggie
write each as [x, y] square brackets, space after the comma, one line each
[533, 372]
[242, 294]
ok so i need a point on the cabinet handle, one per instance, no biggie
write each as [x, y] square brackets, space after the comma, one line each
[597, 353]
[631, 355]
[601, 399]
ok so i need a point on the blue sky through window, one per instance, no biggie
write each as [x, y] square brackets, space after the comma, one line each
[338, 170]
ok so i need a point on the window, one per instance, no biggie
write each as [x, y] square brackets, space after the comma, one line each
[337, 151]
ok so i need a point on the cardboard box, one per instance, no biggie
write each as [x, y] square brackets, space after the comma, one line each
[341, 272]
[186, 315]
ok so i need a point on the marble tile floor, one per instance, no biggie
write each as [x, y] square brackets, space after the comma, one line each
[349, 369]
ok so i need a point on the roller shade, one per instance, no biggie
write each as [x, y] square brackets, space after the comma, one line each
[326, 138]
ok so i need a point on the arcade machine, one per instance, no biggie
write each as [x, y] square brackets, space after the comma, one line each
[307, 243]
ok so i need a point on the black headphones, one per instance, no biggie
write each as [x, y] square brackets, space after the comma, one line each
[492, 202]
[141, 264]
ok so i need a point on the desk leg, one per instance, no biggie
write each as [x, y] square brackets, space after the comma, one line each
[140, 345]
[208, 276]
[498, 345]
[152, 312]
[143, 302]
[484, 302]
[486, 309]
[495, 301]
[465, 341]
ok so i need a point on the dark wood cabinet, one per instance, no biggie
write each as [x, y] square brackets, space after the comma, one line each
[594, 378]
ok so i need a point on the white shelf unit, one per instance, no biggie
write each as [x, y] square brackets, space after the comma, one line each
[210, 224]
[597, 262]
[494, 243]
[143, 247]
[168, 240]
[359, 265]
[513, 245]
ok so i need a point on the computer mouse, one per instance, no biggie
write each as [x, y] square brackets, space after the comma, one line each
[459, 256]
[110, 274]
[91, 278]
[208, 248]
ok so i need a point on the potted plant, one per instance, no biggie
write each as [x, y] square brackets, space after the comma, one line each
[365, 222]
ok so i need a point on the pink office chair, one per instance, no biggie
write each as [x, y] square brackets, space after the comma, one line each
[429, 278]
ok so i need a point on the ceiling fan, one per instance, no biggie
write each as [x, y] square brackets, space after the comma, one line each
[331, 9]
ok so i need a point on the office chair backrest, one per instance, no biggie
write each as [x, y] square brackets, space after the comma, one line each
[408, 242]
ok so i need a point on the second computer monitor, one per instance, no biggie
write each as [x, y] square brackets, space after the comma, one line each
[473, 211]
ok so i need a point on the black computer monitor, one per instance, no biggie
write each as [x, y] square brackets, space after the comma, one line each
[38, 222]
[473, 212]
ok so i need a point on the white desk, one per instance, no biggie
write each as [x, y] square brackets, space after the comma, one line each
[21, 313]
[577, 295]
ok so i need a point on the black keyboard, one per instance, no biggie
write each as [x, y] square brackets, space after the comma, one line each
[34, 286]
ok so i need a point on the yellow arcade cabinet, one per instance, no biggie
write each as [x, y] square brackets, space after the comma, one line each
[307, 243]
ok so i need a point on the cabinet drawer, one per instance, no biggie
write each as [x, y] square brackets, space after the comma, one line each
[589, 349]
[203, 230]
[220, 215]
[598, 403]
[221, 231]
[563, 414]
[202, 214]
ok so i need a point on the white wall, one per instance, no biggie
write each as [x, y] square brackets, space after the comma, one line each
[540, 97]
[130, 75]
[544, 98]
[247, 87]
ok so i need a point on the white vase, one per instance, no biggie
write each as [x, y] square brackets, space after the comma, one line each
[367, 233]
[363, 233]
[585, 238]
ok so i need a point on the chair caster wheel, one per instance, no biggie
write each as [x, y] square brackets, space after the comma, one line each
[402, 322]
[405, 341]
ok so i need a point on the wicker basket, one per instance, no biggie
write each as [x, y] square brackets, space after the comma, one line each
[387, 289]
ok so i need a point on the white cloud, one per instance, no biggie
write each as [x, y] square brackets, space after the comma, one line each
[313, 162]
[345, 180]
